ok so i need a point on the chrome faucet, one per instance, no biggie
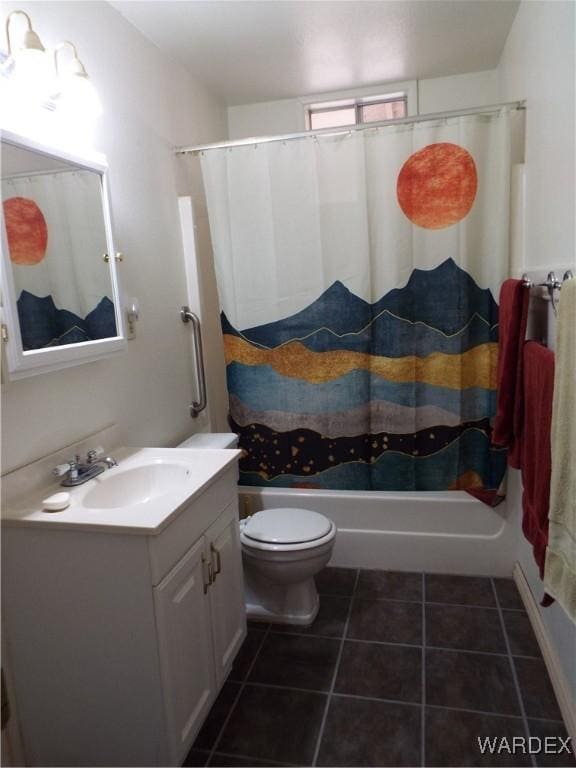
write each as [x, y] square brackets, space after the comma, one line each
[76, 472]
[92, 458]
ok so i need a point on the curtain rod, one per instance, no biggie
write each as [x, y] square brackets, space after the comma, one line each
[34, 174]
[194, 150]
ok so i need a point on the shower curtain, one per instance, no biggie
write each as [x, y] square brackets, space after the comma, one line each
[357, 276]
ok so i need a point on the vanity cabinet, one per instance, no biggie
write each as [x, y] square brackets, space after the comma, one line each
[119, 642]
[226, 592]
[201, 623]
[186, 648]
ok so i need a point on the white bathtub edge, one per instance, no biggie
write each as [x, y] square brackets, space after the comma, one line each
[435, 532]
[557, 677]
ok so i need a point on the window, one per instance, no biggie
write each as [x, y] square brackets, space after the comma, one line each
[357, 112]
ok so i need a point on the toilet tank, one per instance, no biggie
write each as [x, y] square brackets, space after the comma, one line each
[211, 440]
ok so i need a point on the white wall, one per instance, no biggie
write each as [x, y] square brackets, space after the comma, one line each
[265, 118]
[150, 105]
[434, 95]
[538, 64]
[473, 89]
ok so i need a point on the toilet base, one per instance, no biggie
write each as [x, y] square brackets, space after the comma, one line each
[282, 604]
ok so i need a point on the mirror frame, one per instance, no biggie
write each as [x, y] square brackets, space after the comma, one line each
[21, 363]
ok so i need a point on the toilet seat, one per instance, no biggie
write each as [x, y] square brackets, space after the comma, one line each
[285, 529]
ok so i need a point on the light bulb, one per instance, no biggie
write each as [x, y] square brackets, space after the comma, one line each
[75, 91]
[31, 74]
[28, 65]
[78, 95]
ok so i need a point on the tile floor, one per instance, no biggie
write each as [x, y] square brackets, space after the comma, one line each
[399, 669]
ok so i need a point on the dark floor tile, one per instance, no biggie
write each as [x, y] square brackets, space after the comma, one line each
[330, 621]
[215, 720]
[231, 761]
[395, 585]
[274, 724]
[245, 655]
[259, 626]
[508, 595]
[195, 757]
[520, 634]
[553, 753]
[536, 689]
[380, 671]
[386, 621]
[452, 738]
[336, 581]
[472, 629]
[464, 590]
[465, 680]
[296, 661]
[370, 733]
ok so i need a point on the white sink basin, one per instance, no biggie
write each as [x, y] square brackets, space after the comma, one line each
[148, 488]
[136, 485]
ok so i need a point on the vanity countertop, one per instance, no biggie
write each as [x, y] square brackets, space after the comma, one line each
[142, 495]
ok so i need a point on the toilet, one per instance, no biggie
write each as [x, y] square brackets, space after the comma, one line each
[282, 550]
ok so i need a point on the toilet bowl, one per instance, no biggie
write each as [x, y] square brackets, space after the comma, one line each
[282, 550]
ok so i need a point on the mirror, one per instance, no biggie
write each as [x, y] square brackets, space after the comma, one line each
[60, 288]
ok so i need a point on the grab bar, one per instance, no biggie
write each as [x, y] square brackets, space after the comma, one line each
[189, 317]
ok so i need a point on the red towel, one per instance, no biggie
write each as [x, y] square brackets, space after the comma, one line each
[536, 453]
[514, 299]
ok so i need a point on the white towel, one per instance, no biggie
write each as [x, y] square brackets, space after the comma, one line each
[560, 566]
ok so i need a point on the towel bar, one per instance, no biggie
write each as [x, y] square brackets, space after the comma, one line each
[551, 282]
[549, 286]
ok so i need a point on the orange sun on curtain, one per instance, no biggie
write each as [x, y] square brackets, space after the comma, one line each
[437, 185]
[26, 231]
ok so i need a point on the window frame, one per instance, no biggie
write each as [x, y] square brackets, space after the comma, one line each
[358, 97]
[358, 106]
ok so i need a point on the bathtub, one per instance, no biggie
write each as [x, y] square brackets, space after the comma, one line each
[437, 532]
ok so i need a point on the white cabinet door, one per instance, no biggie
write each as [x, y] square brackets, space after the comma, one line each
[186, 653]
[227, 590]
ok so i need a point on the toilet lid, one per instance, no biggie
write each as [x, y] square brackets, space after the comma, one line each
[287, 526]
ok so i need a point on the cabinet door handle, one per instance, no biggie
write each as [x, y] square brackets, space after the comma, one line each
[210, 570]
[216, 570]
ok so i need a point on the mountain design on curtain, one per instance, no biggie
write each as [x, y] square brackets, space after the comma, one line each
[42, 324]
[395, 395]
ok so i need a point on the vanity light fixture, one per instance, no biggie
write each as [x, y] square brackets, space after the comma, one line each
[29, 80]
[75, 90]
[27, 63]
